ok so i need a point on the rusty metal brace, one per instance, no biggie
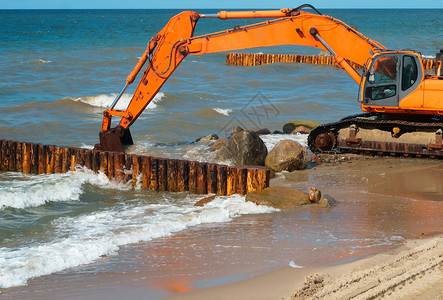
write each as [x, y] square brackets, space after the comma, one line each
[352, 132]
[438, 141]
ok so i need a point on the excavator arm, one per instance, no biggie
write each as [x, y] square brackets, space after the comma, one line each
[175, 41]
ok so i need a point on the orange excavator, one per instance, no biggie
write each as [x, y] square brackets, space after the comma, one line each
[403, 106]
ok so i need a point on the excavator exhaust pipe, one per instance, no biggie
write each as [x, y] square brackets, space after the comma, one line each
[114, 139]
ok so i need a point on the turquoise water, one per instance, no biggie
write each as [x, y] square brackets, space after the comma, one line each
[61, 68]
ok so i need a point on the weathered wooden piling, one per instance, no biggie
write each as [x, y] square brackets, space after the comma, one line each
[146, 171]
[182, 175]
[158, 174]
[256, 59]
[192, 177]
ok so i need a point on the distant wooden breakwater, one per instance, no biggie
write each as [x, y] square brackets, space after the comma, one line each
[154, 173]
[256, 59]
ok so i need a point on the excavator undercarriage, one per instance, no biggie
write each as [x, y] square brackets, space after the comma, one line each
[377, 134]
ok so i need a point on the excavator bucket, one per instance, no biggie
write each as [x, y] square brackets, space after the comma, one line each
[114, 139]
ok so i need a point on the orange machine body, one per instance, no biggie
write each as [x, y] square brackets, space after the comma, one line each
[175, 41]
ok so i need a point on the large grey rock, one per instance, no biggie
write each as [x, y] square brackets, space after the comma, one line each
[287, 155]
[278, 197]
[243, 148]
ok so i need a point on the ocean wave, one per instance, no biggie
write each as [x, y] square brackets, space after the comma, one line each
[83, 239]
[34, 190]
[105, 101]
[223, 111]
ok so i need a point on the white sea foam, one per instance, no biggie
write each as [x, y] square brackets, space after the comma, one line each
[272, 139]
[32, 190]
[428, 56]
[105, 101]
[83, 239]
[294, 265]
[223, 111]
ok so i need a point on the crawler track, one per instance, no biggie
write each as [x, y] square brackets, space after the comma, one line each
[380, 138]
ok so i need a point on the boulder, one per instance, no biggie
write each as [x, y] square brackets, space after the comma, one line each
[290, 126]
[236, 129]
[302, 129]
[243, 148]
[287, 155]
[217, 144]
[278, 197]
[327, 201]
[263, 131]
[208, 138]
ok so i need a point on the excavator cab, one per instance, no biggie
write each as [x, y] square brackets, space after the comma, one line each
[390, 78]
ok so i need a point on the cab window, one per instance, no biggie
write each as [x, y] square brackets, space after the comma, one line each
[409, 72]
[383, 70]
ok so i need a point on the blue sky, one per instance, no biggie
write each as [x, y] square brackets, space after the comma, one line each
[193, 4]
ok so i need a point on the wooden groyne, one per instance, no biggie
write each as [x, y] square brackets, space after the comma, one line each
[153, 173]
[256, 59]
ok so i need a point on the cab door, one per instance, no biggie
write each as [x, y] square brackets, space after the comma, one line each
[382, 82]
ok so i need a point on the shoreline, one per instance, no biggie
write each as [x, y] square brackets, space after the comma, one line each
[382, 204]
[379, 274]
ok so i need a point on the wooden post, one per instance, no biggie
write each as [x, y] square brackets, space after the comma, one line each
[211, 180]
[162, 174]
[136, 170]
[26, 148]
[79, 158]
[192, 181]
[111, 165]
[64, 157]
[12, 155]
[73, 160]
[201, 178]
[19, 158]
[34, 158]
[119, 165]
[258, 179]
[58, 159]
[88, 158]
[95, 161]
[5, 156]
[128, 168]
[242, 177]
[153, 179]
[172, 175]
[221, 180]
[103, 162]
[41, 159]
[146, 171]
[231, 180]
[50, 163]
[182, 176]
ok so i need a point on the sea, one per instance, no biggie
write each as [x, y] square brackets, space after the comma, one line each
[61, 68]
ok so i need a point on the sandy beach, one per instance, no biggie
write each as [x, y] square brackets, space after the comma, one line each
[412, 271]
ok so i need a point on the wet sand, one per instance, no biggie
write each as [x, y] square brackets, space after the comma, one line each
[384, 202]
[412, 271]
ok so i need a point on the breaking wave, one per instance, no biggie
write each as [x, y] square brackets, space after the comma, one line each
[105, 101]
